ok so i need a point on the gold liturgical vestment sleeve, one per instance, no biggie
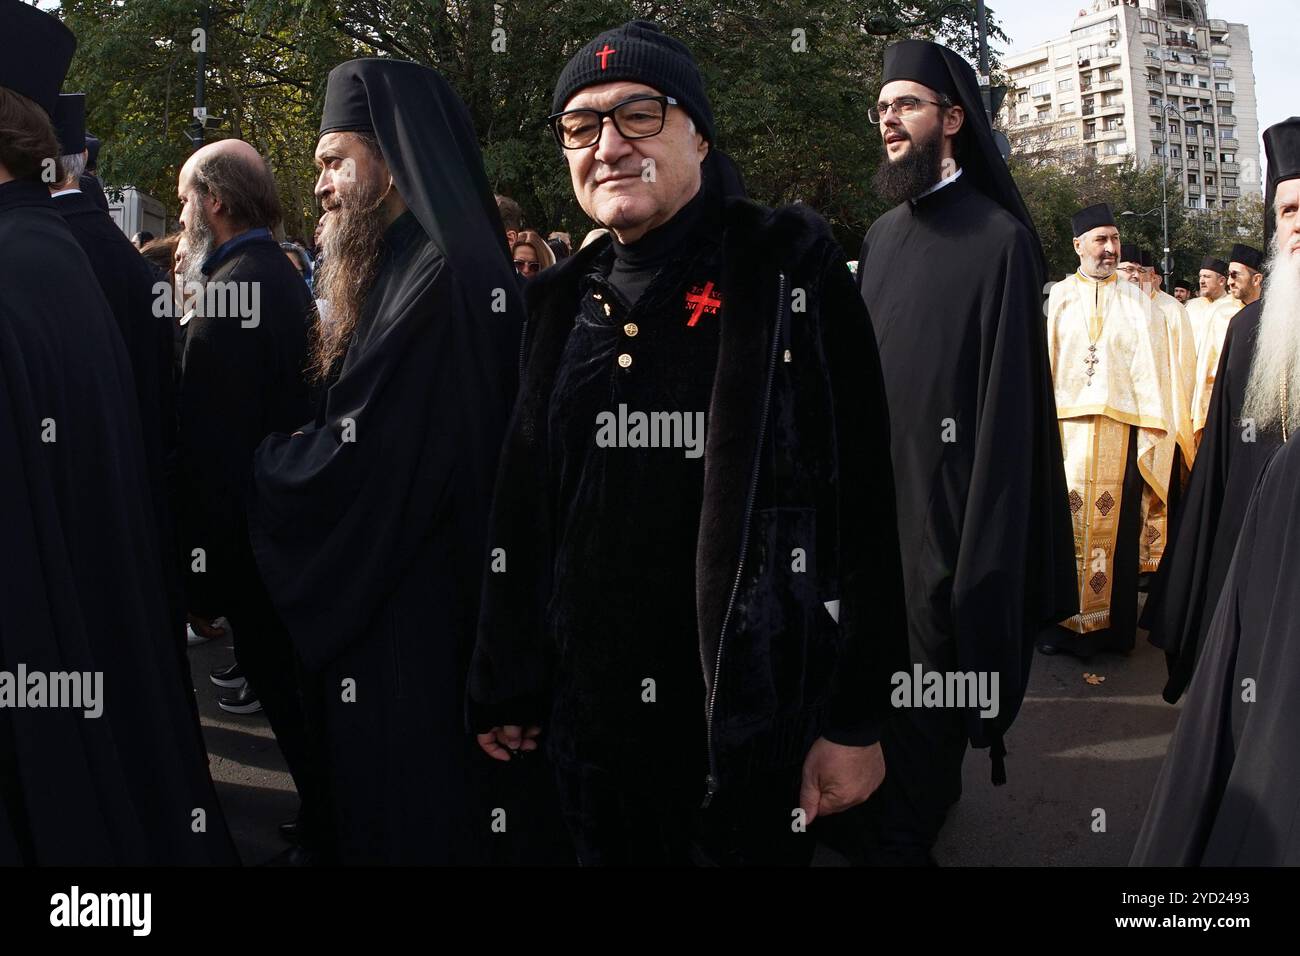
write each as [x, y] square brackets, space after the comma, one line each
[1182, 379]
[1112, 365]
[1214, 318]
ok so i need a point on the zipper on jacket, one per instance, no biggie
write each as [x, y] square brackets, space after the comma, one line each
[711, 780]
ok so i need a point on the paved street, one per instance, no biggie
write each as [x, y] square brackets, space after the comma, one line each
[1076, 747]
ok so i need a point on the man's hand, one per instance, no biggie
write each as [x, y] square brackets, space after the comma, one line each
[500, 743]
[836, 777]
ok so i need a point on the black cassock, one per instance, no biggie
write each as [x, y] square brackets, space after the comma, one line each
[1229, 790]
[127, 281]
[81, 584]
[1201, 541]
[369, 530]
[952, 283]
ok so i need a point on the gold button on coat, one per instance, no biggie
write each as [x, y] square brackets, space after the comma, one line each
[625, 360]
[630, 329]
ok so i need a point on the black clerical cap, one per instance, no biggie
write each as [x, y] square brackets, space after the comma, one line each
[1183, 284]
[1282, 159]
[982, 165]
[1092, 217]
[921, 62]
[35, 52]
[1129, 252]
[1215, 265]
[70, 123]
[1147, 260]
[92, 151]
[1247, 255]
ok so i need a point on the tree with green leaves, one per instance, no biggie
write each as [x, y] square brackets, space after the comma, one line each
[790, 85]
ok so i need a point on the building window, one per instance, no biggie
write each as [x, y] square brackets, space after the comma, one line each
[1065, 85]
[1191, 178]
[1173, 128]
[1187, 80]
[1044, 115]
[1230, 182]
[1227, 157]
[1227, 133]
[1220, 63]
[1022, 97]
[1067, 109]
[1175, 152]
[1209, 180]
[1148, 26]
[1041, 89]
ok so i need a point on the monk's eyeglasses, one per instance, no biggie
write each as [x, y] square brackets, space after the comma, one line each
[902, 106]
[638, 117]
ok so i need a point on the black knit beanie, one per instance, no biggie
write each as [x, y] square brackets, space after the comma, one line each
[639, 51]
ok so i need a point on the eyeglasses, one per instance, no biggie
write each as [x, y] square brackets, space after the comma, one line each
[901, 105]
[527, 266]
[639, 117]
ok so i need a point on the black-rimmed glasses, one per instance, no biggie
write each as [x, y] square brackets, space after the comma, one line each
[636, 118]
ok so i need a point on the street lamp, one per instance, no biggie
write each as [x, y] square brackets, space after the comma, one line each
[1166, 263]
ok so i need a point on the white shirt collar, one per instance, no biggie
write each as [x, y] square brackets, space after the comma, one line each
[64, 192]
[939, 185]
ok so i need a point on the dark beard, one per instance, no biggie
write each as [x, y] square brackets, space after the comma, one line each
[908, 177]
[349, 262]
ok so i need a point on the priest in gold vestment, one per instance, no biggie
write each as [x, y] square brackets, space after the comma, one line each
[1209, 315]
[1111, 369]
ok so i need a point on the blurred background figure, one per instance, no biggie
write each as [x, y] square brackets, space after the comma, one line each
[300, 258]
[141, 238]
[531, 254]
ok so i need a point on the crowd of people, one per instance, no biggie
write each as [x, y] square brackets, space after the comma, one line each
[617, 554]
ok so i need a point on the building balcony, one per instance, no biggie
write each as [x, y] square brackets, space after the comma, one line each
[1193, 189]
[1226, 96]
[1230, 167]
[1230, 144]
[1223, 72]
[1218, 26]
[1109, 135]
[1226, 120]
[1231, 192]
[1108, 60]
[1111, 109]
[1109, 86]
[1221, 48]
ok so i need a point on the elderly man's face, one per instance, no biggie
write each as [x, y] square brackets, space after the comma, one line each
[1286, 210]
[1098, 251]
[351, 176]
[633, 185]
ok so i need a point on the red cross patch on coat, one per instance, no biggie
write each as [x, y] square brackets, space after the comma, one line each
[701, 301]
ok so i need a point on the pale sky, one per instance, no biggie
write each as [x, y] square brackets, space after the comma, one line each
[1274, 27]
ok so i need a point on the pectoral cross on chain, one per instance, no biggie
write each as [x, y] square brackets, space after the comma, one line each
[1091, 361]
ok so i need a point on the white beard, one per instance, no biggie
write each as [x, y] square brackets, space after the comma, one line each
[1277, 347]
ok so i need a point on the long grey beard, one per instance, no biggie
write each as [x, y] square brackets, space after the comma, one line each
[350, 254]
[200, 243]
[1276, 361]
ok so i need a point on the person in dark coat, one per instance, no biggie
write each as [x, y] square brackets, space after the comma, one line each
[699, 626]
[243, 376]
[142, 311]
[110, 769]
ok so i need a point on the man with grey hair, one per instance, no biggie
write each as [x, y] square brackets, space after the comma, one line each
[1249, 414]
[1229, 790]
[128, 284]
[242, 377]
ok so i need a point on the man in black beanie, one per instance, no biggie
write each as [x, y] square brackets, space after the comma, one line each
[695, 587]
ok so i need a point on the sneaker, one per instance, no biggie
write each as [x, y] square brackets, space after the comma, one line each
[232, 676]
[243, 701]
